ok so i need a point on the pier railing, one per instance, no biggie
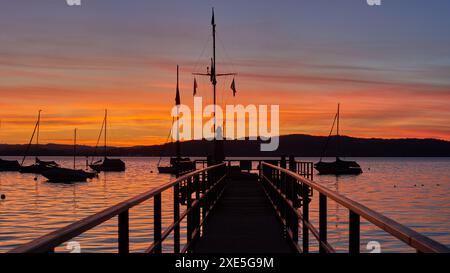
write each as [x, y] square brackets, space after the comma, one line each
[304, 168]
[290, 193]
[199, 189]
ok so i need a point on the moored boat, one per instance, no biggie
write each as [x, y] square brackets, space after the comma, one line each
[338, 167]
[9, 165]
[39, 166]
[66, 175]
[107, 164]
[178, 166]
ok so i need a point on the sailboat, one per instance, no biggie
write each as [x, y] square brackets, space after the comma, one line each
[107, 164]
[39, 166]
[66, 175]
[8, 165]
[338, 167]
[177, 164]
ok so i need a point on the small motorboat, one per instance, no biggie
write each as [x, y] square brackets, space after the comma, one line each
[9, 165]
[182, 165]
[65, 175]
[39, 167]
[339, 167]
[108, 165]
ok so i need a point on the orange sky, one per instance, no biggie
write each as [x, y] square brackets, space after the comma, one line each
[73, 65]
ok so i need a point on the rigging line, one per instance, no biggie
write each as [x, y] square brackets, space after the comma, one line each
[29, 144]
[98, 141]
[196, 64]
[167, 140]
[226, 53]
[328, 138]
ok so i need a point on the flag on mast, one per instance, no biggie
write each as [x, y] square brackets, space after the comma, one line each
[177, 96]
[213, 71]
[233, 87]
[195, 86]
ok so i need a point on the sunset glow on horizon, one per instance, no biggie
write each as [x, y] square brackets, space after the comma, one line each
[388, 66]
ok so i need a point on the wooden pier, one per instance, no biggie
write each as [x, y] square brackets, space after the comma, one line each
[243, 221]
[228, 210]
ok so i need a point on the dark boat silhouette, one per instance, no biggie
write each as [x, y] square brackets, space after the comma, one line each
[181, 165]
[65, 175]
[39, 166]
[177, 164]
[106, 164]
[338, 167]
[9, 165]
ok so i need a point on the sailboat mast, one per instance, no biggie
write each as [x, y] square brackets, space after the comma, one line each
[38, 127]
[337, 133]
[106, 118]
[338, 116]
[178, 148]
[37, 135]
[213, 68]
[75, 149]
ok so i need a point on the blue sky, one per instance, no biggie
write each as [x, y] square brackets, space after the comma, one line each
[389, 65]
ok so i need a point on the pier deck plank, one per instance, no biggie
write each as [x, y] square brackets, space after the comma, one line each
[243, 221]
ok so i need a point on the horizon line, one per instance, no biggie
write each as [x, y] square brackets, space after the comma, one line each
[246, 139]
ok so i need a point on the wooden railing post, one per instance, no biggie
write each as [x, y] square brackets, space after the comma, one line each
[189, 228]
[205, 204]
[157, 223]
[197, 208]
[124, 233]
[305, 230]
[176, 218]
[354, 233]
[322, 221]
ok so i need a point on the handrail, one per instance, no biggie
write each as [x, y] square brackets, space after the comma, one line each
[48, 242]
[414, 239]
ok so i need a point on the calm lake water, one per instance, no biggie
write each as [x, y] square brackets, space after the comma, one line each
[412, 191]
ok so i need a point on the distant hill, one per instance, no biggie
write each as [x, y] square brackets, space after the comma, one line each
[299, 145]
